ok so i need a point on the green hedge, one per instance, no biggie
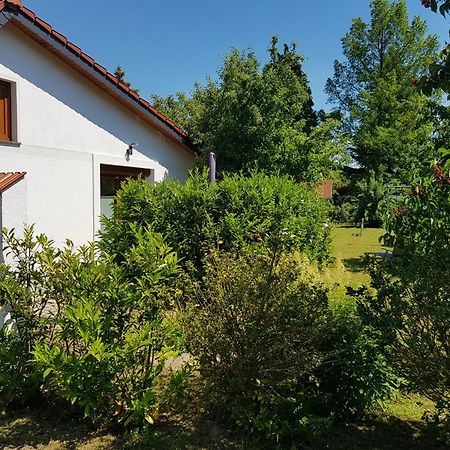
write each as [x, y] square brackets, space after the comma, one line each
[236, 213]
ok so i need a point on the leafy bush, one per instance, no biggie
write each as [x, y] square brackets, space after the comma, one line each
[236, 213]
[359, 377]
[255, 328]
[19, 381]
[371, 197]
[411, 307]
[344, 209]
[96, 332]
[28, 289]
[275, 358]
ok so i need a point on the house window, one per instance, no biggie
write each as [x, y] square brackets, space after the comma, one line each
[5, 112]
[111, 178]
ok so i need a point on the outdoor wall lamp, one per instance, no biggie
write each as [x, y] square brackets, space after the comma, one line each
[131, 148]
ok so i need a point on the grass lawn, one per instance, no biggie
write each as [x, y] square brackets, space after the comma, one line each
[399, 427]
[349, 247]
[349, 244]
[49, 430]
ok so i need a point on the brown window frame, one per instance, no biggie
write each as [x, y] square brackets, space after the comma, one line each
[121, 173]
[6, 110]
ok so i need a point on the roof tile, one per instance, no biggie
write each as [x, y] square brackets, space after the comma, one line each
[73, 47]
[124, 87]
[59, 36]
[88, 59]
[111, 77]
[43, 24]
[30, 14]
[134, 95]
[100, 68]
[18, 3]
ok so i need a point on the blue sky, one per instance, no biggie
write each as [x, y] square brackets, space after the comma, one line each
[165, 46]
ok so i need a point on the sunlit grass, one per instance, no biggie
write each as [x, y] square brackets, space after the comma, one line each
[409, 407]
[349, 248]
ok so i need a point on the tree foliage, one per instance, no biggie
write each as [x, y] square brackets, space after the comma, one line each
[442, 5]
[438, 76]
[259, 117]
[410, 306]
[120, 74]
[385, 115]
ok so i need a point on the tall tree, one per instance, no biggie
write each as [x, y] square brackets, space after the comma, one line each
[259, 117]
[385, 115]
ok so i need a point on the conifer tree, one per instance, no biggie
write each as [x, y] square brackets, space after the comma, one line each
[119, 73]
[386, 117]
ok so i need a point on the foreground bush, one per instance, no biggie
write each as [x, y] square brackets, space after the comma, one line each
[411, 307]
[19, 381]
[26, 290]
[236, 213]
[94, 331]
[275, 357]
[358, 377]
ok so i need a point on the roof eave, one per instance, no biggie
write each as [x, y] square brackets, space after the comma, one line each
[9, 179]
[26, 21]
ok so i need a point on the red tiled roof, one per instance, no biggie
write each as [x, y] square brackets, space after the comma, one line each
[7, 179]
[17, 5]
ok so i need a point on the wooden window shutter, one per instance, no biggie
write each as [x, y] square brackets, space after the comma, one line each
[5, 111]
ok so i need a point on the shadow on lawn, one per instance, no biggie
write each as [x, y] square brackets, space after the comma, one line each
[390, 433]
[47, 429]
[354, 264]
[52, 430]
[359, 264]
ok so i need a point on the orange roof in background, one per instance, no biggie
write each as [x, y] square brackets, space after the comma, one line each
[326, 189]
[7, 179]
[17, 5]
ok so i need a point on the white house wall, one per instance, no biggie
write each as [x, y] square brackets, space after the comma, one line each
[12, 212]
[67, 127]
